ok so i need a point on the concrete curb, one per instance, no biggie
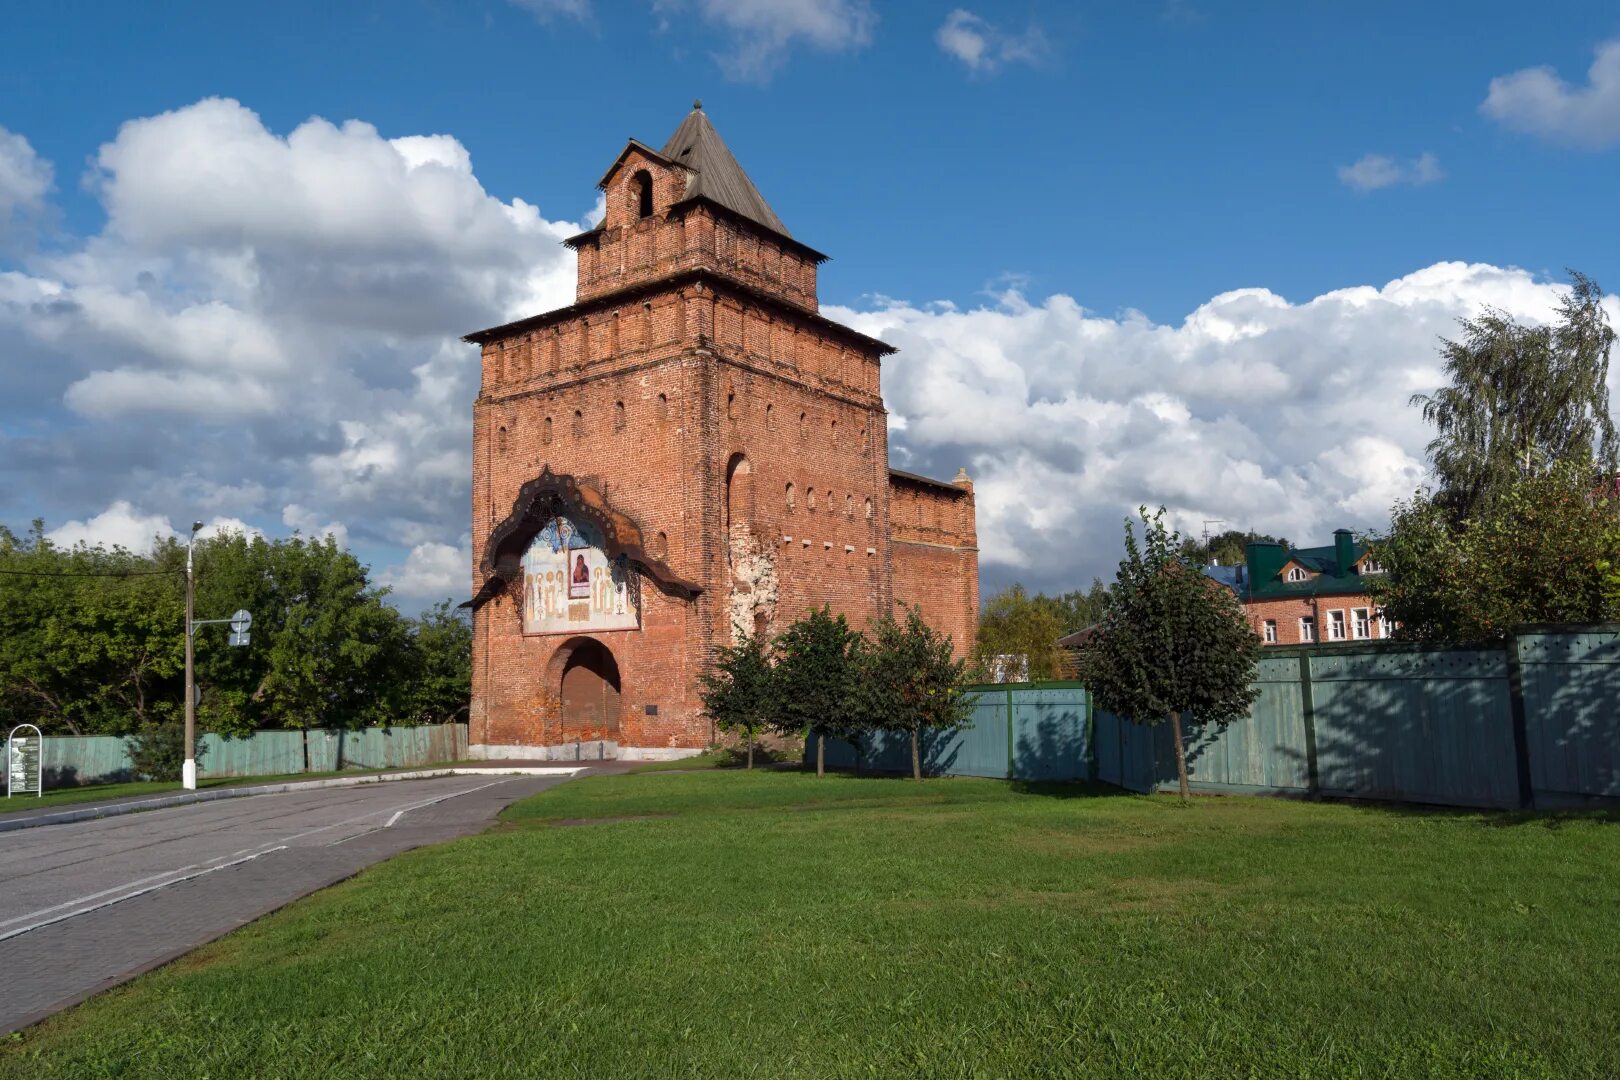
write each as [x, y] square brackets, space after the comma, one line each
[89, 813]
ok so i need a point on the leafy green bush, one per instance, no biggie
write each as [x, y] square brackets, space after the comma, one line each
[157, 751]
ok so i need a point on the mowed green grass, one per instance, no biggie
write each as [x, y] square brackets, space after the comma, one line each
[724, 924]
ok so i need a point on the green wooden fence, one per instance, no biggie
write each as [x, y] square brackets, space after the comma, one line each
[98, 759]
[1017, 731]
[1532, 722]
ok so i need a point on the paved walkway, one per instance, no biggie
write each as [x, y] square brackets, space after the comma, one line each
[87, 905]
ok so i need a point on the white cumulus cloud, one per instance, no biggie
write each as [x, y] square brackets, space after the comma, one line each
[25, 180]
[123, 525]
[1538, 101]
[432, 572]
[761, 33]
[984, 47]
[1374, 171]
[1281, 416]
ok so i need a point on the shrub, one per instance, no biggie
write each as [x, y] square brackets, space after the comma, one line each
[157, 751]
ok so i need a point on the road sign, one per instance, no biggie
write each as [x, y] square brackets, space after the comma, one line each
[239, 639]
[23, 765]
[241, 622]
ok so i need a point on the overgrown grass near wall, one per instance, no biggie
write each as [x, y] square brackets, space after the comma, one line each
[719, 923]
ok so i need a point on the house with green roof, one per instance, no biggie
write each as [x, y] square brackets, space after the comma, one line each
[1302, 595]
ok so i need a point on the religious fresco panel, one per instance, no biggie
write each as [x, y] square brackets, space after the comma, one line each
[571, 585]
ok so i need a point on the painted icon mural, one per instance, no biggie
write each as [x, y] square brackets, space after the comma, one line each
[571, 585]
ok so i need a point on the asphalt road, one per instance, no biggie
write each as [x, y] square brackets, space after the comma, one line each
[87, 905]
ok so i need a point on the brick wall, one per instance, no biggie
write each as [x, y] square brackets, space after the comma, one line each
[1287, 613]
[936, 555]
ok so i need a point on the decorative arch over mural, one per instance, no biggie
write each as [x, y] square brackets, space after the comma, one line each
[544, 499]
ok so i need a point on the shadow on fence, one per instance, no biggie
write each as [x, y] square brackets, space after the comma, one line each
[1531, 723]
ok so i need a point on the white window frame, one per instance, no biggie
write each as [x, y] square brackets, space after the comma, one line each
[1370, 566]
[1296, 573]
[1383, 624]
[1336, 625]
[1307, 629]
[1269, 631]
[1361, 623]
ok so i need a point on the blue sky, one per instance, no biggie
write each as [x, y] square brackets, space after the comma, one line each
[1055, 210]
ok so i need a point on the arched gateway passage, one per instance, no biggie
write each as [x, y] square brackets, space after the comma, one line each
[589, 692]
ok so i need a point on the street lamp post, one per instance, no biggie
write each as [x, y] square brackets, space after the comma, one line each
[188, 771]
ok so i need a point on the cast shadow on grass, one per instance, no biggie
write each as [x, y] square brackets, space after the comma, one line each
[1487, 817]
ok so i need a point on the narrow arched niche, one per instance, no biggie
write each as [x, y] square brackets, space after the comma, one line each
[641, 190]
[739, 495]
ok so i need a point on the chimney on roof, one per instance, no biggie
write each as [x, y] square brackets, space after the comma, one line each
[1344, 546]
[1264, 559]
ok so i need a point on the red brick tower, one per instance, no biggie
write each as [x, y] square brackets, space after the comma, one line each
[688, 453]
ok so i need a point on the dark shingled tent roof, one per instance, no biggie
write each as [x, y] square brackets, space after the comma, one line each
[719, 178]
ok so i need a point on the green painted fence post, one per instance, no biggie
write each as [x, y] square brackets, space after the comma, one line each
[1012, 771]
[1307, 697]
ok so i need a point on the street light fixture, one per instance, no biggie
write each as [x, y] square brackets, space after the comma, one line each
[240, 622]
[188, 771]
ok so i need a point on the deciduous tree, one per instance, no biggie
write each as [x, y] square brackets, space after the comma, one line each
[1544, 548]
[1522, 399]
[1173, 642]
[908, 680]
[815, 676]
[739, 691]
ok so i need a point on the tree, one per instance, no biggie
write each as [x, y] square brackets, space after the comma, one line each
[440, 691]
[739, 691]
[1229, 548]
[327, 650]
[815, 676]
[1545, 548]
[908, 680]
[89, 639]
[1016, 624]
[1522, 399]
[1172, 642]
[92, 640]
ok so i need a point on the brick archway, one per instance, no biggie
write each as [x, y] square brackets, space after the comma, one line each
[585, 676]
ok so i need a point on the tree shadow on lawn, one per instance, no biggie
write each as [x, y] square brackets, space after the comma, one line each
[1486, 817]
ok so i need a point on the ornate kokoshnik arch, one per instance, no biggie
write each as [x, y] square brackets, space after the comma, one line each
[546, 497]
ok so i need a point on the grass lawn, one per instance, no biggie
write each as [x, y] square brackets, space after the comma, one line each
[727, 924]
[94, 793]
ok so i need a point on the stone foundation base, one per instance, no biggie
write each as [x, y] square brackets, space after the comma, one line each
[595, 750]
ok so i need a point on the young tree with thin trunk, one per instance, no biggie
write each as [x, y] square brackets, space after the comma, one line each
[815, 675]
[739, 692]
[909, 680]
[1173, 643]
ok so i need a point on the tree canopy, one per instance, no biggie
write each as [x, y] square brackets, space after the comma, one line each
[815, 677]
[1544, 549]
[1016, 623]
[1522, 399]
[907, 680]
[1229, 548]
[92, 639]
[739, 691]
[1172, 642]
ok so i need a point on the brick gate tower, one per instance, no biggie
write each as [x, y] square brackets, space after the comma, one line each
[687, 454]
